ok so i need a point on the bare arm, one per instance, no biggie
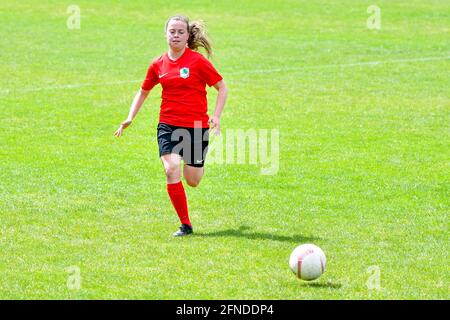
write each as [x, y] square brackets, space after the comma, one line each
[135, 107]
[220, 104]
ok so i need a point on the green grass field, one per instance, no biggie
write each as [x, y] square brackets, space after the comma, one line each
[363, 119]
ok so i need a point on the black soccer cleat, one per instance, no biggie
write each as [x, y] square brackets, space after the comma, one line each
[184, 231]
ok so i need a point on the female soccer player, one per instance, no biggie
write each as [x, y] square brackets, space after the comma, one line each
[183, 122]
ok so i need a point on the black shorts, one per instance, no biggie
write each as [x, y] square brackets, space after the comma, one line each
[190, 143]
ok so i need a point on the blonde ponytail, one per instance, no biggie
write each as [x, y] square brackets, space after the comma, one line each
[199, 38]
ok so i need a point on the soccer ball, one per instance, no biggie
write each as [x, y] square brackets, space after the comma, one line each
[307, 261]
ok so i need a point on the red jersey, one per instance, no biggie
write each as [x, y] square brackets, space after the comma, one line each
[183, 87]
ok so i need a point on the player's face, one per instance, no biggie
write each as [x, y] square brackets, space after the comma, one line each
[177, 34]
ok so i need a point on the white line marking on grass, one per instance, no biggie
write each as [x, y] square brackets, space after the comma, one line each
[252, 71]
[72, 86]
[342, 65]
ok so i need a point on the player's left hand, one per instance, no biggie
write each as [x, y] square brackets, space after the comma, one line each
[214, 122]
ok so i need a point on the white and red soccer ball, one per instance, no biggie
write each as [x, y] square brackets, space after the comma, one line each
[307, 261]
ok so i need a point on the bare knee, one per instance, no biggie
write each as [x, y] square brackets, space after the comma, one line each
[192, 182]
[172, 171]
[193, 175]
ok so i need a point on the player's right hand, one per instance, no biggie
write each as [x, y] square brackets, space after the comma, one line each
[125, 124]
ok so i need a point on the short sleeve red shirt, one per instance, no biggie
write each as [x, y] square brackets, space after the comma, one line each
[183, 84]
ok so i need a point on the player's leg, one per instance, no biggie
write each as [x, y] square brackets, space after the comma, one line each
[171, 161]
[193, 175]
[172, 167]
[193, 169]
[175, 189]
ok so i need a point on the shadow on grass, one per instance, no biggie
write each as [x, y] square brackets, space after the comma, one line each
[323, 285]
[243, 232]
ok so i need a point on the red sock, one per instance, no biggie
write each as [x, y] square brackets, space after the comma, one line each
[178, 198]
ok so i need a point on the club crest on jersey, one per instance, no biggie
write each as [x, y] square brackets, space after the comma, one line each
[184, 73]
